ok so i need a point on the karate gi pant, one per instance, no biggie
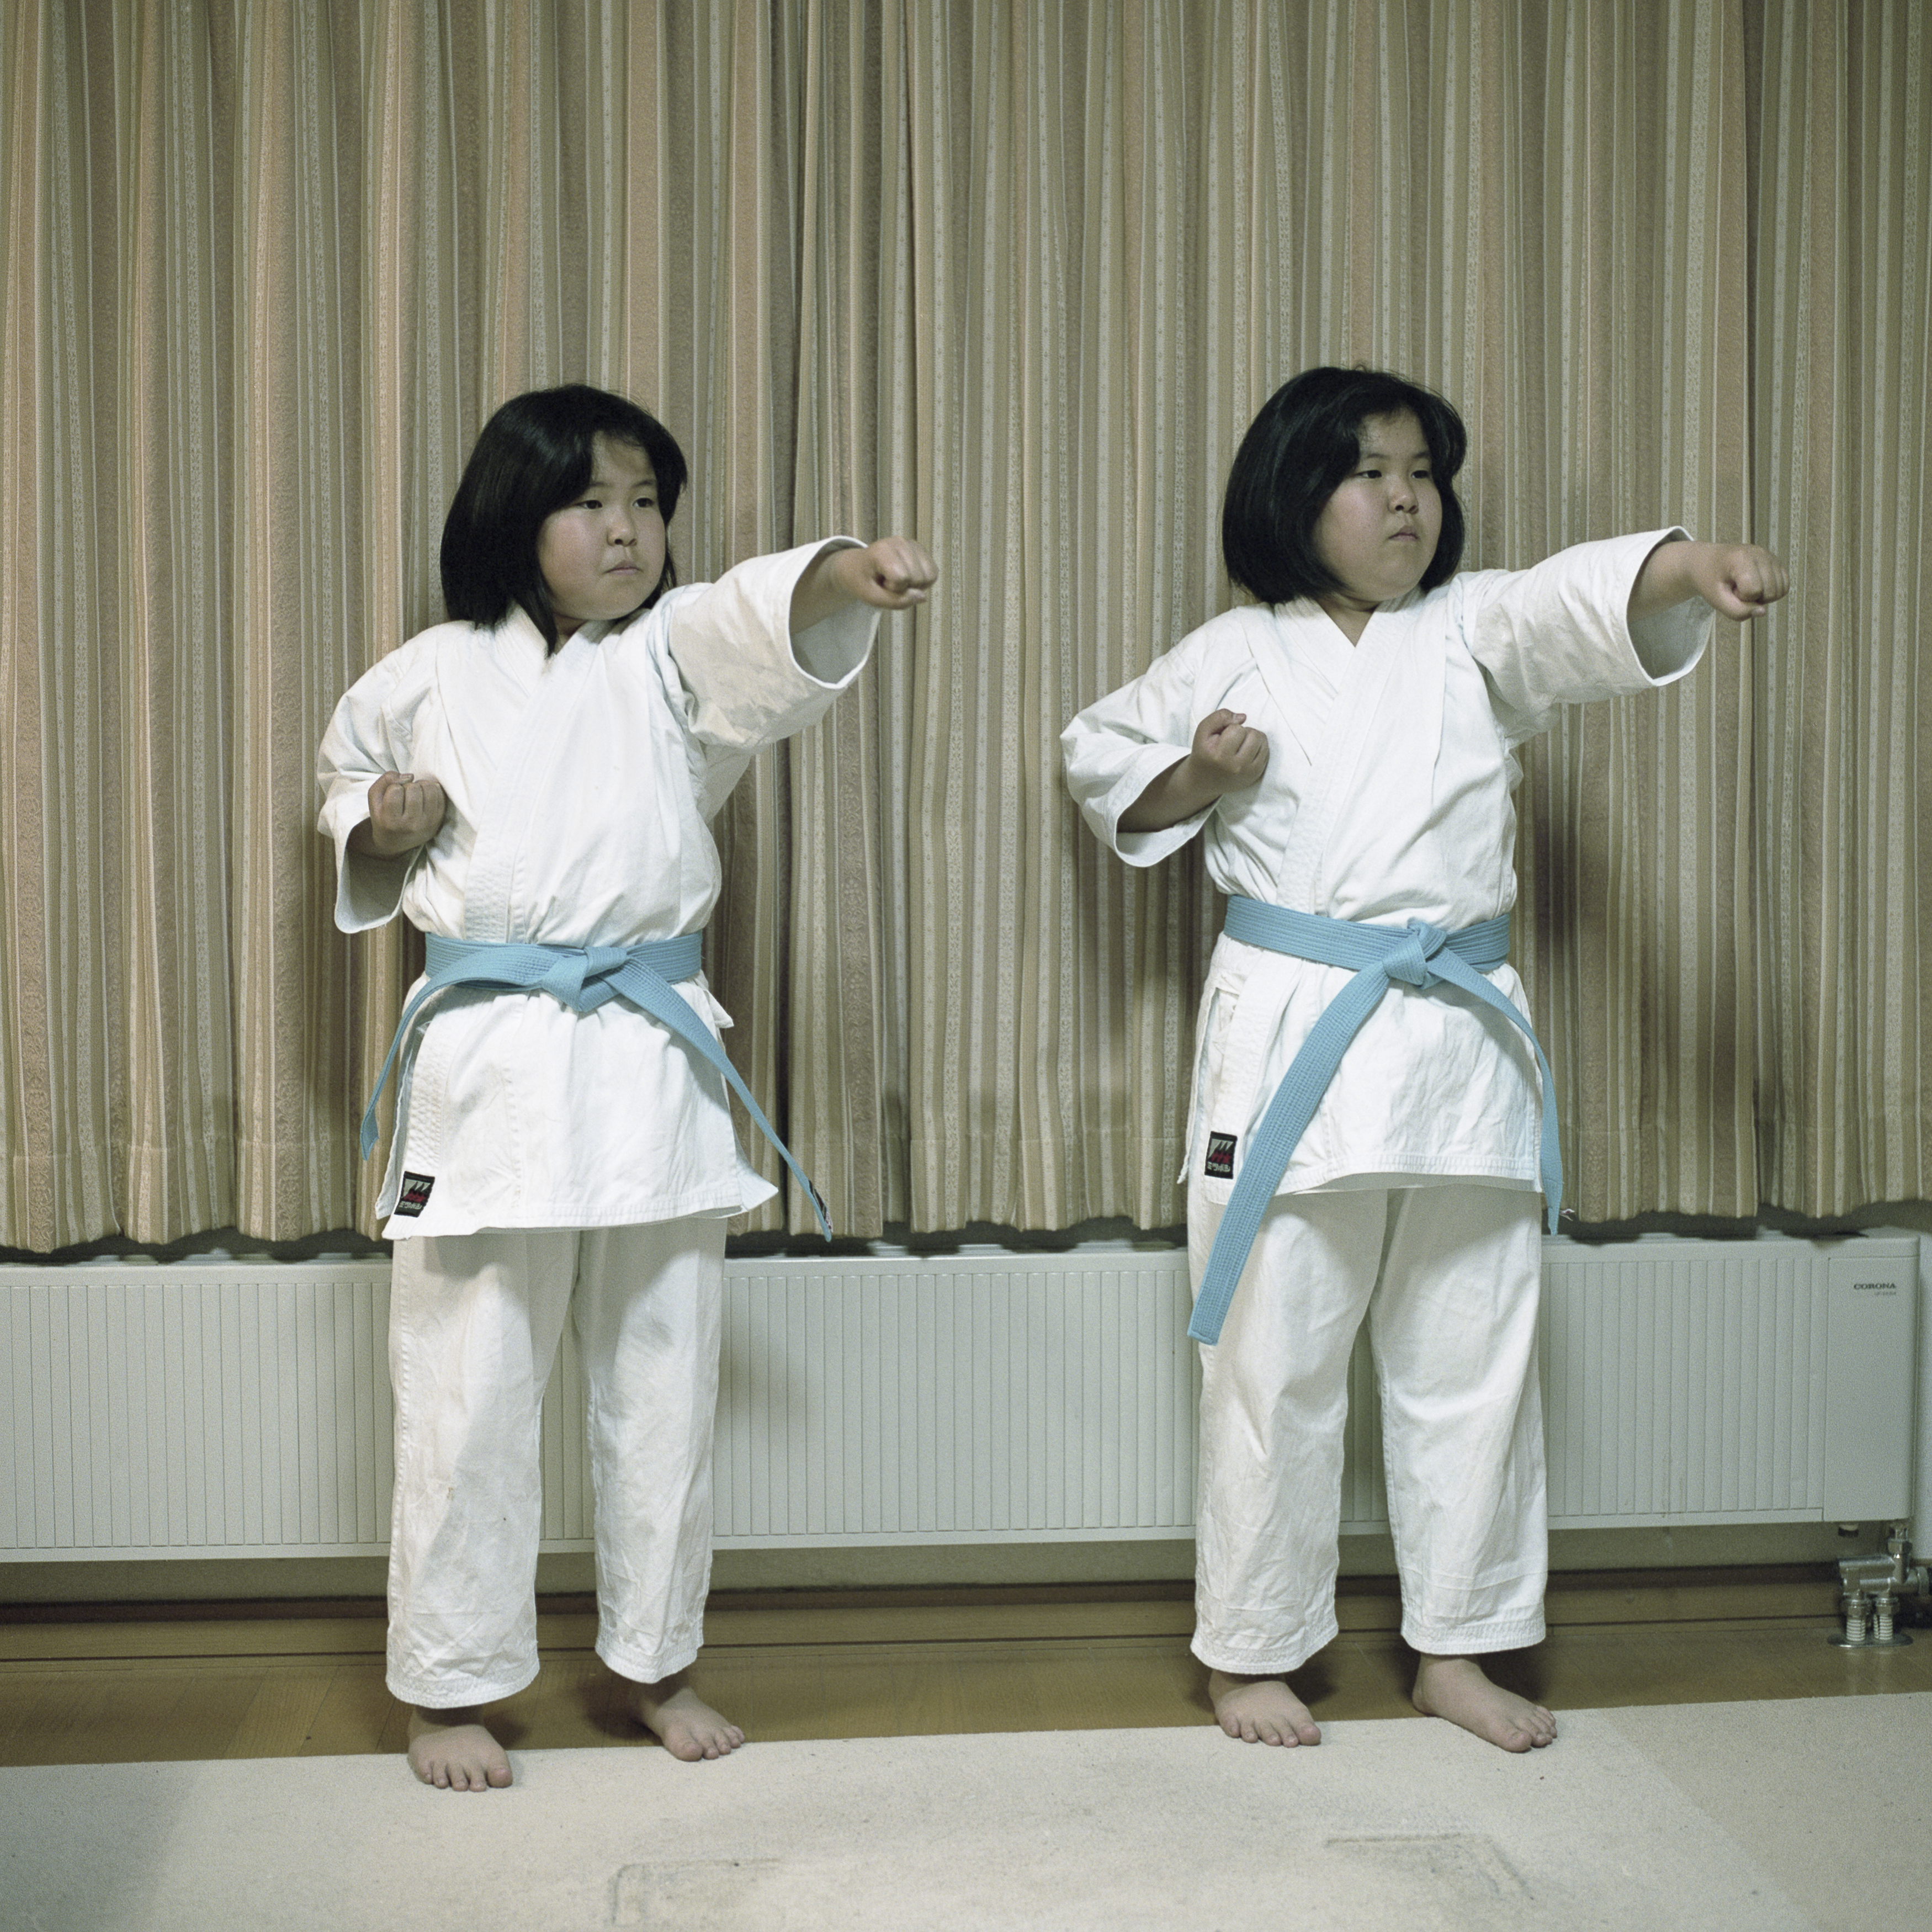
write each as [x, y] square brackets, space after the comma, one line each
[1449, 1276]
[474, 1323]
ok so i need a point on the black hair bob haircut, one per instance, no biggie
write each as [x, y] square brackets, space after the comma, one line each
[535, 455]
[1298, 449]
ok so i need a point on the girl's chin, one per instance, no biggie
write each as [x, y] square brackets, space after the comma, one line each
[615, 610]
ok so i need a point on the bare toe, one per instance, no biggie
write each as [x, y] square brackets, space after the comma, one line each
[1261, 1710]
[1456, 1688]
[452, 1751]
[683, 1722]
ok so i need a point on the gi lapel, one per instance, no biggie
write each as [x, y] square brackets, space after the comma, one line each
[1388, 700]
[527, 756]
[1380, 653]
[1302, 671]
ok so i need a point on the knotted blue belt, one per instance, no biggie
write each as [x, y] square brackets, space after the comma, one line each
[584, 977]
[1417, 954]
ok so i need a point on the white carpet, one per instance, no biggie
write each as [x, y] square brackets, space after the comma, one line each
[1760, 1816]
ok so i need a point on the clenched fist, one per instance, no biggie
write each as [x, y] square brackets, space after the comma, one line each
[894, 573]
[1228, 753]
[1737, 580]
[404, 811]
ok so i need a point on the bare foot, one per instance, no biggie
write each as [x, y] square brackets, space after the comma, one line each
[685, 1724]
[1455, 1688]
[452, 1750]
[1261, 1710]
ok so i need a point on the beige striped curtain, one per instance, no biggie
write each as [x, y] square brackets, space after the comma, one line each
[1013, 278]
[1841, 353]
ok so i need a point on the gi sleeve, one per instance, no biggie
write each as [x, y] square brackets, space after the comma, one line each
[747, 681]
[1558, 633]
[1115, 749]
[736, 673]
[370, 734]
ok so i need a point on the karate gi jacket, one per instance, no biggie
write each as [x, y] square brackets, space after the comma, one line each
[1388, 796]
[580, 787]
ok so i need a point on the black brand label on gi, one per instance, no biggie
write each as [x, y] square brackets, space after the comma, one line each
[415, 1196]
[1220, 1157]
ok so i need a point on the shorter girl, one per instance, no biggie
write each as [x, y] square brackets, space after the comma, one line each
[1348, 745]
[530, 783]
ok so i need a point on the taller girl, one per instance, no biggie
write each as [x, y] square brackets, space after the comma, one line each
[1372, 1124]
[531, 784]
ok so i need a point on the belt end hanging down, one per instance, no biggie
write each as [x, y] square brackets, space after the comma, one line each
[1218, 1283]
[1551, 1158]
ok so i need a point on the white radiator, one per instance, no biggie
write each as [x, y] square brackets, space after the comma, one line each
[243, 1409]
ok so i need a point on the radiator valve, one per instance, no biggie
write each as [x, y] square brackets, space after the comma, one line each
[1871, 1587]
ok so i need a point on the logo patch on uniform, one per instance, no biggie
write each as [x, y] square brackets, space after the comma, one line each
[415, 1196]
[1220, 1157]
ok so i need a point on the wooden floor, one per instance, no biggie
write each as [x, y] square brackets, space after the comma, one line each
[94, 1686]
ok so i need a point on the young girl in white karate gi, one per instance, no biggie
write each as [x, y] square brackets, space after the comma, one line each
[531, 784]
[1346, 744]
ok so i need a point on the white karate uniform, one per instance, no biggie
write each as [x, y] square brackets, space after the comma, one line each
[474, 1322]
[580, 788]
[1387, 796]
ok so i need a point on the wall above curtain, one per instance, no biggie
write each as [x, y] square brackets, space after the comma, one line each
[1013, 279]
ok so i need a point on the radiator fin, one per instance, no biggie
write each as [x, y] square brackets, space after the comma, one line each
[217, 1409]
[954, 1403]
[1682, 1389]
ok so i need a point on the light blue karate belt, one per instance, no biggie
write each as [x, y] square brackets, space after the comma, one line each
[1417, 954]
[584, 977]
